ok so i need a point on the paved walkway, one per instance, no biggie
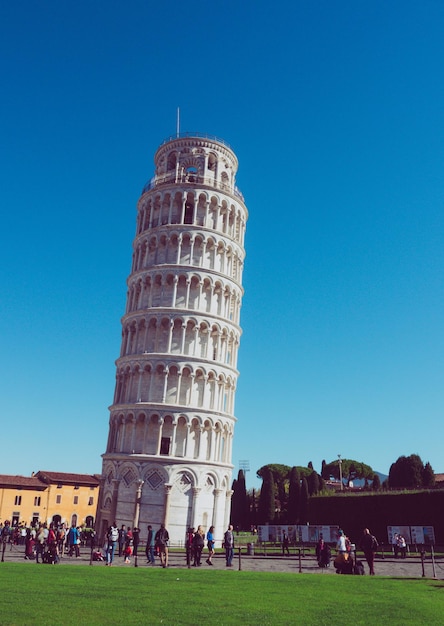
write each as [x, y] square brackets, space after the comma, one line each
[411, 567]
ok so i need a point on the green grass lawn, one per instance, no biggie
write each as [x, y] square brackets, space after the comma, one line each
[66, 594]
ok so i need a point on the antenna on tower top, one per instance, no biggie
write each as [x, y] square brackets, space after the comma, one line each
[178, 122]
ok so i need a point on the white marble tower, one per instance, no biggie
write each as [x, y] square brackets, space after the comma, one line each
[168, 457]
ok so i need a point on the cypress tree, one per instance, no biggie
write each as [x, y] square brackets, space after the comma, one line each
[267, 506]
[428, 476]
[313, 483]
[294, 494]
[239, 503]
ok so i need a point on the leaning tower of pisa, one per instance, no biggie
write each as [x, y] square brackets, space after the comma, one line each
[168, 456]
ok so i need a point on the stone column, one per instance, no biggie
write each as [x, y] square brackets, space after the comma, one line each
[217, 494]
[227, 508]
[166, 511]
[137, 504]
[196, 491]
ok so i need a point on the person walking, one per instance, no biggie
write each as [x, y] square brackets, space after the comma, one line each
[369, 546]
[229, 545]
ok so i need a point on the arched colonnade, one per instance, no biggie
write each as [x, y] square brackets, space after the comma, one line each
[185, 336]
[195, 208]
[184, 437]
[196, 250]
[184, 292]
[175, 385]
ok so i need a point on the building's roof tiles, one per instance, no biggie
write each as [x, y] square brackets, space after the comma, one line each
[27, 482]
[67, 478]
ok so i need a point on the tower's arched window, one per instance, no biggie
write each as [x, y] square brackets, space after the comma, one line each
[191, 174]
[212, 161]
[224, 179]
[189, 206]
[172, 160]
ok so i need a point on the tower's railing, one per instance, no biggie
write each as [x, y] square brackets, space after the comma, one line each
[198, 136]
[188, 178]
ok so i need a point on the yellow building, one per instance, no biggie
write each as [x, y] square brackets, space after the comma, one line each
[49, 497]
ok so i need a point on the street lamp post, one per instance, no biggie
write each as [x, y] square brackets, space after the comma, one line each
[340, 470]
[136, 520]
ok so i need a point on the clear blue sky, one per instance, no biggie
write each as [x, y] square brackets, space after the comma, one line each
[336, 113]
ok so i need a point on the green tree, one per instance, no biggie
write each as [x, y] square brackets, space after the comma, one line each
[406, 473]
[281, 475]
[313, 483]
[351, 470]
[376, 483]
[294, 495]
[428, 476]
[239, 503]
[323, 470]
[267, 506]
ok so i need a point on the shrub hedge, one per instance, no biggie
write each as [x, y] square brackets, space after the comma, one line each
[354, 512]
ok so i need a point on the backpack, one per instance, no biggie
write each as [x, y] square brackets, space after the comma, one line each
[113, 533]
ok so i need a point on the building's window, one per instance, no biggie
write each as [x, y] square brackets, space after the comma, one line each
[15, 518]
[56, 520]
[76, 499]
[188, 218]
[37, 501]
[35, 518]
[59, 486]
[58, 499]
[165, 445]
[90, 501]
[76, 486]
[18, 500]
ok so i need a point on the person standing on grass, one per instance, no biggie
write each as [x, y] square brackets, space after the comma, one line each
[74, 541]
[341, 544]
[136, 541]
[61, 539]
[129, 544]
[122, 539]
[149, 551]
[229, 545]
[189, 545]
[369, 546]
[210, 544]
[40, 544]
[402, 546]
[161, 540]
[198, 545]
[285, 544]
[113, 537]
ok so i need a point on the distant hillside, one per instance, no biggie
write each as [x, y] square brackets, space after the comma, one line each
[360, 482]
